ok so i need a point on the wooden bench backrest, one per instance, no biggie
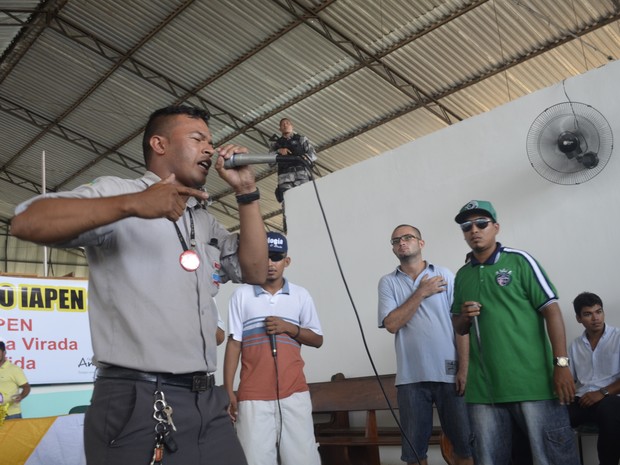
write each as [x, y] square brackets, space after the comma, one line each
[355, 394]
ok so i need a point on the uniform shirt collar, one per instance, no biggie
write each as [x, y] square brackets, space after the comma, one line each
[150, 178]
[469, 258]
[258, 290]
[429, 266]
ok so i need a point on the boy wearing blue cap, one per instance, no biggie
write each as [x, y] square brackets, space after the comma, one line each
[267, 326]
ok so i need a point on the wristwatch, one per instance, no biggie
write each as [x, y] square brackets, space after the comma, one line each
[561, 361]
[604, 391]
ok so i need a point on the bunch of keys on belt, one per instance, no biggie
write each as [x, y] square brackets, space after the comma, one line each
[163, 414]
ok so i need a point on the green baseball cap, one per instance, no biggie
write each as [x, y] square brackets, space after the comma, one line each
[483, 207]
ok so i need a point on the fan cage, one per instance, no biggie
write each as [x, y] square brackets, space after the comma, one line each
[546, 158]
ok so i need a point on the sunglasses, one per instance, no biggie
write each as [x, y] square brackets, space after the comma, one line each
[276, 257]
[406, 238]
[480, 223]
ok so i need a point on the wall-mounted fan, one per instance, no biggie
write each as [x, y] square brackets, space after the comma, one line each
[569, 143]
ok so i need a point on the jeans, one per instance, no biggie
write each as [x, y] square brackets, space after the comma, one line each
[415, 403]
[606, 414]
[544, 422]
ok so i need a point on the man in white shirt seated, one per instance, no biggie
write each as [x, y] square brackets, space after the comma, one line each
[595, 364]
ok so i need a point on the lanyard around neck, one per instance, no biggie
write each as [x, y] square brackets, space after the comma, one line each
[189, 259]
[192, 233]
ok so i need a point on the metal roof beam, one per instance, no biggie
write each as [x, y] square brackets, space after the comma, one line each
[153, 76]
[501, 67]
[360, 65]
[181, 93]
[67, 134]
[20, 182]
[29, 33]
[150, 75]
[480, 77]
[102, 79]
[15, 16]
[373, 62]
[487, 73]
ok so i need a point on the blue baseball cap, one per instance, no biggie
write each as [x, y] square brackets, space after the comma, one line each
[276, 242]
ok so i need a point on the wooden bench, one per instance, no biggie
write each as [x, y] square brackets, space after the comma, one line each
[339, 442]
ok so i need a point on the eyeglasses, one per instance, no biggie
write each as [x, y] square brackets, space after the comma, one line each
[276, 257]
[406, 238]
[480, 223]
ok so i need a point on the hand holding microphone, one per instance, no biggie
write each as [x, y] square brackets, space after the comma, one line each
[471, 310]
[274, 347]
[242, 180]
[271, 330]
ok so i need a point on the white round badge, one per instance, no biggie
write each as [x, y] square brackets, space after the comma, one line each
[190, 261]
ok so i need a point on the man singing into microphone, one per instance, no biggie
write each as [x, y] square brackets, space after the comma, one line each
[519, 379]
[267, 326]
[156, 259]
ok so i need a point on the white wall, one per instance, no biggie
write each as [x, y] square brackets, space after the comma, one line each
[569, 229]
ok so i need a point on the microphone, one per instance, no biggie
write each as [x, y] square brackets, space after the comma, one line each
[475, 323]
[272, 341]
[477, 330]
[242, 159]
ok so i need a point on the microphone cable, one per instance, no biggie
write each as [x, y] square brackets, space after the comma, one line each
[483, 365]
[279, 412]
[355, 311]
[274, 353]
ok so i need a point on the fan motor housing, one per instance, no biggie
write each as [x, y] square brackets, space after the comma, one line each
[568, 143]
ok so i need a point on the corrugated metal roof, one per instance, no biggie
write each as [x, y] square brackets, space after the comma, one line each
[358, 78]
[13, 15]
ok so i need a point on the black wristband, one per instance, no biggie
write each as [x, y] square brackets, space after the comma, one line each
[248, 198]
[297, 333]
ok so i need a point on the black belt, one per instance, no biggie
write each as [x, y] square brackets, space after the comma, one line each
[198, 381]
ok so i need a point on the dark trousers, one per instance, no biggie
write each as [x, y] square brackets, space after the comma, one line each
[606, 414]
[119, 428]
